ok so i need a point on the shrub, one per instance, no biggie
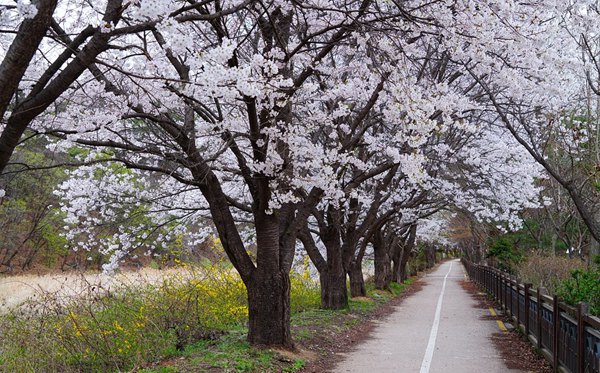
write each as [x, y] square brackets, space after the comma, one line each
[506, 255]
[114, 331]
[305, 290]
[582, 286]
[547, 271]
[136, 325]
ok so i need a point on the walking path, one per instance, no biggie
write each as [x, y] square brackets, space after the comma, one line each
[437, 330]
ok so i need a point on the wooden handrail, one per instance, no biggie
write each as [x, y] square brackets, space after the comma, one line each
[499, 286]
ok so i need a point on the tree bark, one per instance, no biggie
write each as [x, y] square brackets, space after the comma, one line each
[334, 292]
[402, 274]
[37, 101]
[594, 251]
[357, 280]
[430, 256]
[21, 51]
[382, 263]
[396, 260]
[269, 309]
[403, 254]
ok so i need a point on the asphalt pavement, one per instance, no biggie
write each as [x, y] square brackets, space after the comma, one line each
[436, 330]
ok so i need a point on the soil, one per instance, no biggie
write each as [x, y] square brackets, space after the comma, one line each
[515, 350]
[329, 344]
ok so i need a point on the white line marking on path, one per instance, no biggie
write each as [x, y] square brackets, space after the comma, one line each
[434, 329]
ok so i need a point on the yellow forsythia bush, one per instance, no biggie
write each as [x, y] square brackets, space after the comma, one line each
[136, 325]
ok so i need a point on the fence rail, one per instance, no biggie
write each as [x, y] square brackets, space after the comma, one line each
[570, 341]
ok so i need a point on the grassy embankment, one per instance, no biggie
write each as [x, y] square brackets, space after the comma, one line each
[193, 321]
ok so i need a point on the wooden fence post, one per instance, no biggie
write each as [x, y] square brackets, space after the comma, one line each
[539, 318]
[505, 294]
[555, 331]
[487, 280]
[487, 272]
[517, 285]
[497, 287]
[527, 307]
[510, 298]
[582, 310]
[483, 277]
[502, 292]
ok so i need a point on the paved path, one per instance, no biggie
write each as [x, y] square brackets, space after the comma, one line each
[437, 330]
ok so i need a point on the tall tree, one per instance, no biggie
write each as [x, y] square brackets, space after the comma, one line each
[21, 101]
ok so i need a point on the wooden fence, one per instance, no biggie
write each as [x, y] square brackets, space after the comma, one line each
[570, 341]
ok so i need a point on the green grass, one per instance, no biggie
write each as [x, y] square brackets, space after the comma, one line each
[313, 317]
[302, 334]
[231, 353]
[179, 325]
[308, 324]
[297, 365]
[159, 370]
[367, 305]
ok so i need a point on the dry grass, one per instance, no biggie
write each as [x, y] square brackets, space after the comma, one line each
[547, 271]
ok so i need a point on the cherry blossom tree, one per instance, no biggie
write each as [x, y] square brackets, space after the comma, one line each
[266, 120]
[235, 121]
[537, 84]
[44, 60]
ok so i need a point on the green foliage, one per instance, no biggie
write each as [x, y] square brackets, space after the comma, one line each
[141, 323]
[231, 353]
[397, 288]
[582, 286]
[505, 254]
[535, 237]
[159, 370]
[135, 325]
[197, 316]
[28, 213]
[306, 291]
[297, 365]
[366, 305]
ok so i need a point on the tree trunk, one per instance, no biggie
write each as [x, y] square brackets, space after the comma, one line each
[382, 264]
[357, 280]
[28, 261]
[594, 251]
[430, 256]
[269, 309]
[396, 263]
[334, 293]
[402, 255]
[402, 270]
[8, 258]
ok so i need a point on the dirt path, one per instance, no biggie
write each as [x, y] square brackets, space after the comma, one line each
[440, 329]
[15, 290]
